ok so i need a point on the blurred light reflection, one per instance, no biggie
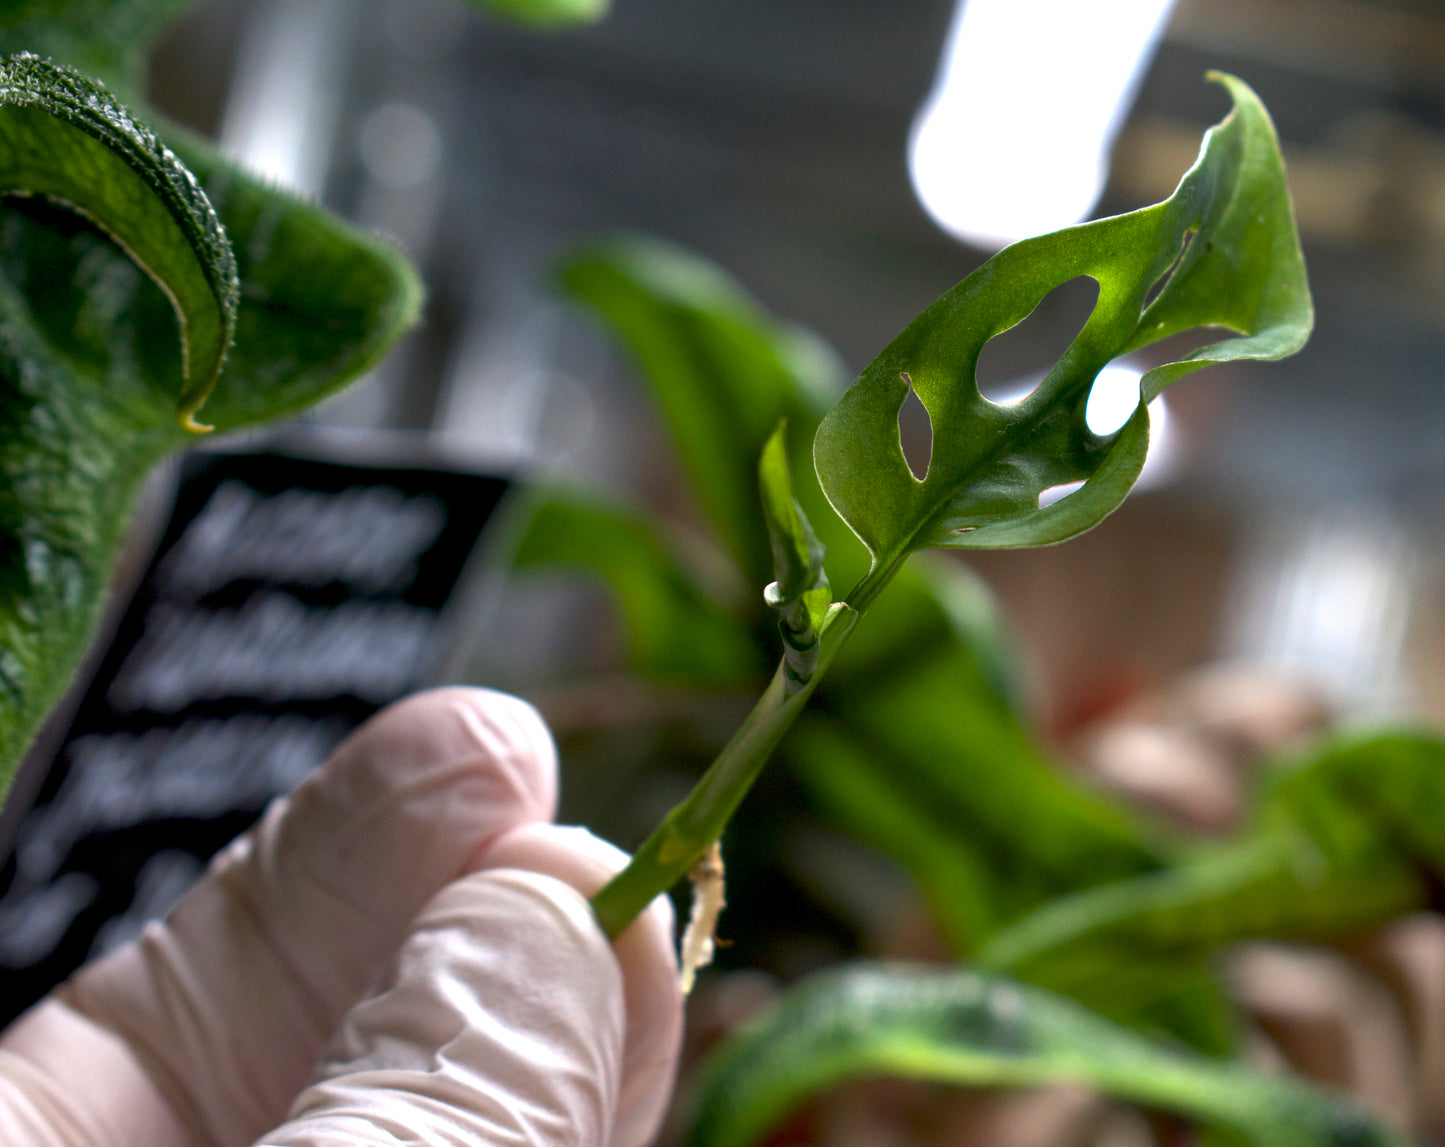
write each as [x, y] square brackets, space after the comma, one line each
[1015, 138]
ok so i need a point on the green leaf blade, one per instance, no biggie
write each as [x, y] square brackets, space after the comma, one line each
[544, 14]
[990, 463]
[721, 371]
[1346, 840]
[963, 1028]
[65, 137]
[89, 361]
[674, 631]
[797, 553]
[321, 302]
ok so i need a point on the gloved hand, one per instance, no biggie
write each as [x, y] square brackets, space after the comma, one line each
[410, 921]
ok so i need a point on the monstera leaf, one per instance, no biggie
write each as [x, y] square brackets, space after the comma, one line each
[1220, 252]
[972, 1030]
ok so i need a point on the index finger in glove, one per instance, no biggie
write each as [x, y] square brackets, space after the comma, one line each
[227, 1005]
[507, 1018]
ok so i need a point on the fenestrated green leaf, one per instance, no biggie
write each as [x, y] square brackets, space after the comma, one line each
[1344, 841]
[972, 1030]
[65, 137]
[722, 372]
[674, 630]
[547, 13]
[1241, 270]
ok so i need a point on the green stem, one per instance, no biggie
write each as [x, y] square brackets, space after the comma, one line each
[691, 826]
[873, 582]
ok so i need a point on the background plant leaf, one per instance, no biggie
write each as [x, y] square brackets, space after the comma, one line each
[960, 1027]
[722, 372]
[675, 632]
[547, 13]
[65, 137]
[1242, 270]
[933, 743]
[321, 301]
[109, 40]
[1344, 841]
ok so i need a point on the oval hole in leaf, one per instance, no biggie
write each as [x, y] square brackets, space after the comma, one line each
[1012, 363]
[915, 433]
[1112, 399]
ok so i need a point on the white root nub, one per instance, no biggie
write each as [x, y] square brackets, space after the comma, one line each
[708, 900]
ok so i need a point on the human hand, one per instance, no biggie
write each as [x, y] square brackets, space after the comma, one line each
[401, 951]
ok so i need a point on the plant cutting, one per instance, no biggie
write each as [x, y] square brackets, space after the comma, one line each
[1220, 252]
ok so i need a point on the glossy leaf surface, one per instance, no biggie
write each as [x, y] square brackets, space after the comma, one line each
[797, 553]
[963, 1028]
[1230, 227]
[65, 137]
[799, 590]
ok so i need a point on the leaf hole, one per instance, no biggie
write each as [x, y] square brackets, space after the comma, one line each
[1112, 399]
[1163, 280]
[1056, 493]
[915, 432]
[1015, 361]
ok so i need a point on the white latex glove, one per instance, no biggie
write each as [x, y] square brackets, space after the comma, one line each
[409, 920]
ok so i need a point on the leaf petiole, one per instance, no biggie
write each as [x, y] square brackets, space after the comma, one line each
[685, 833]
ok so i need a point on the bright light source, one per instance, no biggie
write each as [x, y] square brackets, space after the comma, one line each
[1014, 139]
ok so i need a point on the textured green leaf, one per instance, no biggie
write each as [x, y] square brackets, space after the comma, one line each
[547, 13]
[674, 630]
[960, 1027]
[89, 361]
[1344, 842]
[321, 301]
[109, 40]
[721, 371]
[65, 137]
[1241, 270]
